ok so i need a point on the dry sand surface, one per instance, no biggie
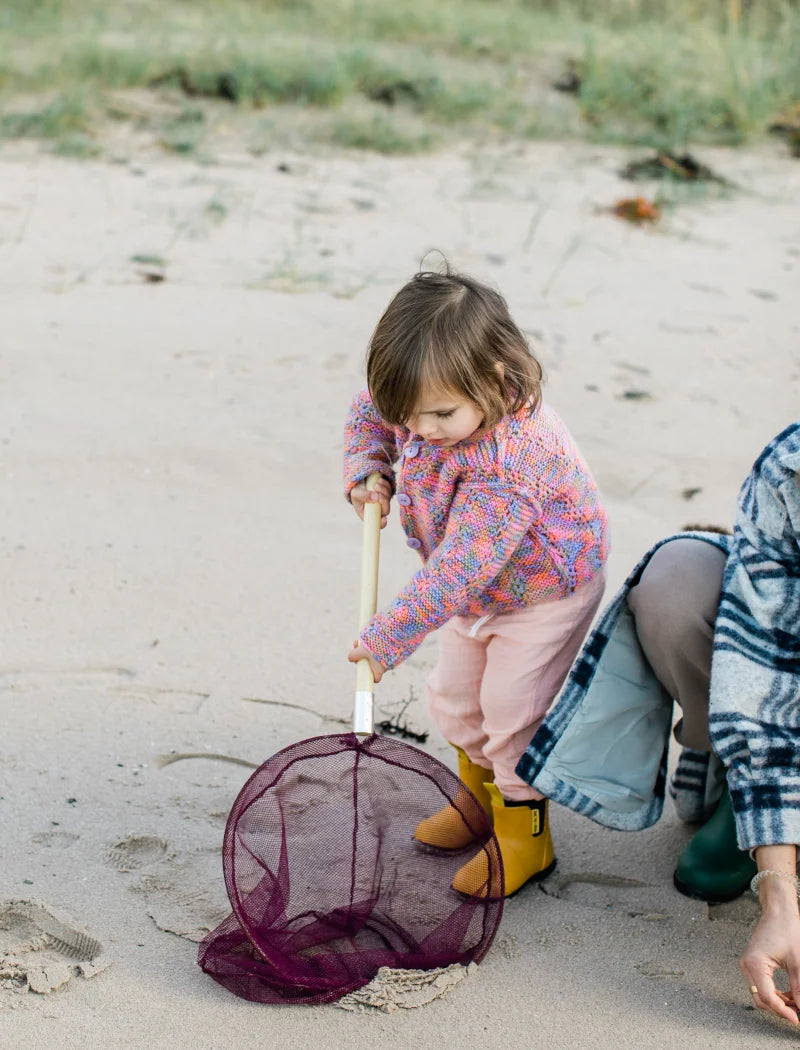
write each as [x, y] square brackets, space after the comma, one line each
[179, 566]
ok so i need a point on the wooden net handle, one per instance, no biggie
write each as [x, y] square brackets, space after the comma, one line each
[368, 603]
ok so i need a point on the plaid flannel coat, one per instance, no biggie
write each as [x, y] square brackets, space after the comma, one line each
[755, 676]
[602, 749]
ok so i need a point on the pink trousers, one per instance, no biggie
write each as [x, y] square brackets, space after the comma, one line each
[498, 675]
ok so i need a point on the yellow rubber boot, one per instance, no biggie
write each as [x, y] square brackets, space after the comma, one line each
[523, 833]
[447, 829]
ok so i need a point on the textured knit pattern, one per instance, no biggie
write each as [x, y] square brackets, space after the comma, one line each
[755, 676]
[500, 523]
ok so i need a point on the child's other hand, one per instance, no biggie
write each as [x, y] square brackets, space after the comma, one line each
[358, 652]
[382, 493]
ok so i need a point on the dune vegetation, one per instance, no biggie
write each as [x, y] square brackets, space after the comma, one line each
[394, 75]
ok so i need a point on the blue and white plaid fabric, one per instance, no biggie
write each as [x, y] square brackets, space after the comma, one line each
[755, 680]
[602, 749]
[696, 785]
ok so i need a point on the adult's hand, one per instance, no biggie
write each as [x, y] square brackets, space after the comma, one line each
[775, 942]
[774, 945]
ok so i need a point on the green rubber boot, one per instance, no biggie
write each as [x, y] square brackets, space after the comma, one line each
[712, 867]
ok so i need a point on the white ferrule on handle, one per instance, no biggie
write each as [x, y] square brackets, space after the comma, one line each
[363, 717]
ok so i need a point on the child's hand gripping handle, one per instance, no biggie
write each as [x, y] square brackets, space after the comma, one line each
[363, 719]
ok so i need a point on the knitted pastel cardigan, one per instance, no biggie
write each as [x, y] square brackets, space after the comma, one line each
[755, 676]
[501, 522]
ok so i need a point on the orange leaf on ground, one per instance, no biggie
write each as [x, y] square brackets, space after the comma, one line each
[637, 209]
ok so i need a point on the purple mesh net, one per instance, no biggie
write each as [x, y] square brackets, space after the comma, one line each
[327, 883]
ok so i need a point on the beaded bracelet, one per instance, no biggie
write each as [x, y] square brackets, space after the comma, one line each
[778, 875]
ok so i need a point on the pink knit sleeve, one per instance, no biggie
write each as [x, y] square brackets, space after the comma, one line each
[486, 524]
[369, 443]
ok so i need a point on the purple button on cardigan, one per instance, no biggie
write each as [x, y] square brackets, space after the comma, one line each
[411, 451]
[403, 499]
[413, 543]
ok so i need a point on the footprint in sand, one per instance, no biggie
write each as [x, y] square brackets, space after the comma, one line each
[186, 897]
[136, 851]
[32, 679]
[594, 889]
[55, 839]
[42, 950]
[183, 895]
[655, 970]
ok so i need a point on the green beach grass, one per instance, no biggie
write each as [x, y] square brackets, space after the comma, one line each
[394, 75]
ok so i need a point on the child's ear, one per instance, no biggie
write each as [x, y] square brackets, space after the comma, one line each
[500, 368]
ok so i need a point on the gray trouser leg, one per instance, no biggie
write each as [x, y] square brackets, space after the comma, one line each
[674, 606]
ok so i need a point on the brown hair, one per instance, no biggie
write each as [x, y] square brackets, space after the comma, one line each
[450, 332]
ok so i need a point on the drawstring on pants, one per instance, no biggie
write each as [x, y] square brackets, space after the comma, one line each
[473, 631]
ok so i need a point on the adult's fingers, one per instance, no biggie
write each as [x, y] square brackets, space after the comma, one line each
[792, 1000]
[765, 997]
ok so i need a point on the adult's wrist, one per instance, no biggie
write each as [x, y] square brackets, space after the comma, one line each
[777, 883]
[778, 897]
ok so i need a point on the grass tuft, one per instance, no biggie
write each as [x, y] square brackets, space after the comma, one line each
[63, 115]
[380, 133]
[399, 75]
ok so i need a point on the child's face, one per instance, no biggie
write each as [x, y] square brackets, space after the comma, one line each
[443, 417]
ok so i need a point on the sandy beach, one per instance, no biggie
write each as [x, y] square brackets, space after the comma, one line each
[179, 346]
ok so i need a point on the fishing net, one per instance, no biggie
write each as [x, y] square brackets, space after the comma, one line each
[325, 879]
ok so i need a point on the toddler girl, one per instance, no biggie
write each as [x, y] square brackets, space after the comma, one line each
[506, 517]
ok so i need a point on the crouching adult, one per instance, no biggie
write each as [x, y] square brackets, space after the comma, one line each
[712, 622]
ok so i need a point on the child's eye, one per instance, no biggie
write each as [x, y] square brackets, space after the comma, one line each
[445, 415]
